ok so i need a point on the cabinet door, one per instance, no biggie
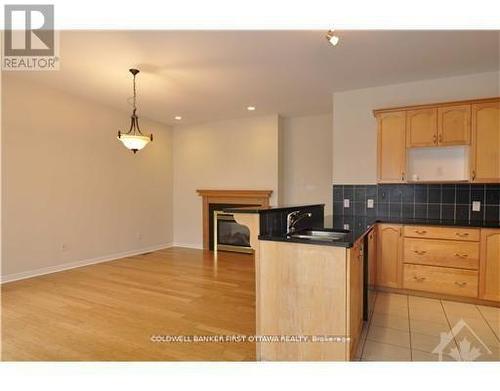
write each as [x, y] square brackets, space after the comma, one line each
[421, 128]
[485, 162]
[391, 147]
[355, 296]
[454, 125]
[489, 265]
[389, 254]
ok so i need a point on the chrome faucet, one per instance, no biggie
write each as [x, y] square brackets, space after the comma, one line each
[293, 218]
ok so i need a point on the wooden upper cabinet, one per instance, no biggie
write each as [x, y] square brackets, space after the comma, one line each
[421, 127]
[489, 266]
[391, 147]
[485, 149]
[454, 125]
[389, 255]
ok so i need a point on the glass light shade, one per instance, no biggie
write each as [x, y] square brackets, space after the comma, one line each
[134, 142]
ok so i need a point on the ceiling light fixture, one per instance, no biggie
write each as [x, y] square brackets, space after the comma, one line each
[177, 117]
[134, 139]
[332, 38]
[251, 108]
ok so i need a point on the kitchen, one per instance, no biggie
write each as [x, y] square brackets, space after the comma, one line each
[441, 254]
[351, 207]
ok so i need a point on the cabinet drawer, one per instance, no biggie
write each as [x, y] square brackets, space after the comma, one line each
[444, 280]
[448, 253]
[416, 231]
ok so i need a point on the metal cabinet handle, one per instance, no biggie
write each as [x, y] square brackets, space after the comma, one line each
[420, 252]
[419, 279]
[462, 234]
[420, 232]
[460, 284]
[440, 138]
[461, 255]
[434, 139]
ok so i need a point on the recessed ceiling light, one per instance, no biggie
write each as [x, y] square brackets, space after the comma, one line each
[178, 117]
[332, 38]
[251, 108]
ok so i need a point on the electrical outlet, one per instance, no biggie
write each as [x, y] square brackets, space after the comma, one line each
[369, 203]
[476, 206]
[347, 203]
[346, 226]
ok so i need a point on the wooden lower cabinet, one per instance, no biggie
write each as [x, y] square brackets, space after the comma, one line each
[355, 296]
[448, 281]
[446, 253]
[489, 268]
[445, 233]
[389, 254]
[451, 261]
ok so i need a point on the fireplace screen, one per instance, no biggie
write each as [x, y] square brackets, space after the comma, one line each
[232, 236]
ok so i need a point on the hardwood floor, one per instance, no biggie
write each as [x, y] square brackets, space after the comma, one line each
[109, 311]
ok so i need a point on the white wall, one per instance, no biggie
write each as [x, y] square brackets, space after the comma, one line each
[231, 154]
[354, 127]
[307, 160]
[71, 192]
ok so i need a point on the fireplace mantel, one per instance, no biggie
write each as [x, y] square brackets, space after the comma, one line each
[247, 197]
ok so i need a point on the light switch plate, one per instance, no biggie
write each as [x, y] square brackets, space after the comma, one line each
[369, 203]
[347, 203]
[476, 206]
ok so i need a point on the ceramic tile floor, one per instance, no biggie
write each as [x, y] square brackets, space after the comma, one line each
[408, 328]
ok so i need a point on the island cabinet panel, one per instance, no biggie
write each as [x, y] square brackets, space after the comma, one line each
[454, 125]
[489, 271]
[389, 255]
[302, 291]
[421, 127]
[485, 161]
[355, 296]
[372, 267]
[391, 147]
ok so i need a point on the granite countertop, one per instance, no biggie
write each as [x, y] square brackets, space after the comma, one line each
[264, 209]
[362, 225]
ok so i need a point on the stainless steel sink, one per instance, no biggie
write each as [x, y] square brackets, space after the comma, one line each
[327, 236]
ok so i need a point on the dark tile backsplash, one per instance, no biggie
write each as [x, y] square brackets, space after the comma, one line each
[451, 202]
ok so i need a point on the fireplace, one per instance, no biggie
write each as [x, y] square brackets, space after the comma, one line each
[217, 200]
[223, 223]
[229, 235]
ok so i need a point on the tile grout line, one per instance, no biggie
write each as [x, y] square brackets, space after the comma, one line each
[368, 326]
[488, 323]
[386, 343]
[449, 326]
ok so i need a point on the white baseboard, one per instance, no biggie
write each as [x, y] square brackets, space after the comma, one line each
[197, 246]
[85, 262]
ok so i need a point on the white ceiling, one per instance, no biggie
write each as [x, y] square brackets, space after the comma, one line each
[210, 75]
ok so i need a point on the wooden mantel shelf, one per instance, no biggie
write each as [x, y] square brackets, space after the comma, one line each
[236, 193]
[242, 197]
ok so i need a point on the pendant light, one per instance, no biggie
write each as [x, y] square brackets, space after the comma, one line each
[134, 139]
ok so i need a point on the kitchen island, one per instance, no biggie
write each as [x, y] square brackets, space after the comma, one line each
[318, 289]
[309, 292]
